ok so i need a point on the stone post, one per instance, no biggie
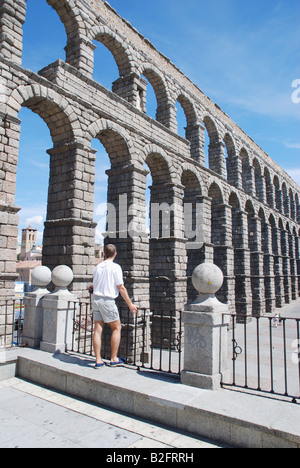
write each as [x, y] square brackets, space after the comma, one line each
[205, 331]
[33, 316]
[58, 313]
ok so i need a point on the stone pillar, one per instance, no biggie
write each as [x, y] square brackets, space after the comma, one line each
[69, 236]
[243, 293]
[286, 266]
[126, 229]
[80, 54]
[256, 267]
[293, 266]
[217, 158]
[279, 285]
[224, 257]
[195, 135]
[12, 18]
[260, 187]
[9, 147]
[297, 257]
[205, 332]
[279, 200]
[133, 89]
[234, 171]
[33, 316]
[58, 313]
[248, 178]
[166, 115]
[269, 269]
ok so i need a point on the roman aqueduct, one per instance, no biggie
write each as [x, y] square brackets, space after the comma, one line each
[250, 205]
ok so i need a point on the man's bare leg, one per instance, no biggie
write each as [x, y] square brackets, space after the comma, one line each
[115, 339]
[97, 341]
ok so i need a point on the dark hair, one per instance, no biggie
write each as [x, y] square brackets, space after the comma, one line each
[110, 250]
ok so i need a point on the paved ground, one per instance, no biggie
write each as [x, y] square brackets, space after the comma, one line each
[34, 417]
[283, 360]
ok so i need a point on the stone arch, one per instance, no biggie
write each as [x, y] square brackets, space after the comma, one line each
[247, 179]
[256, 259]
[164, 113]
[285, 200]
[189, 173]
[153, 154]
[273, 225]
[112, 136]
[236, 225]
[249, 207]
[189, 111]
[216, 149]
[278, 193]
[264, 231]
[292, 205]
[297, 208]
[297, 261]
[269, 188]
[51, 107]
[159, 167]
[232, 162]
[267, 268]
[237, 240]
[193, 224]
[215, 190]
[284, 228]
[116, 46]
[192, 129]
[234, 201]
[258, 180]
[191, 196]
[79, 51]
[217, 232]
[69, 15]
[211, 128]
[191, 180]
[252, 228]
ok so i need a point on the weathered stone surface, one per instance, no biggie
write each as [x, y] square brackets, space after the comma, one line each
[249, 207]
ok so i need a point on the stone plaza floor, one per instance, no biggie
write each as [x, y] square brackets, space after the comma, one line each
[34, 417]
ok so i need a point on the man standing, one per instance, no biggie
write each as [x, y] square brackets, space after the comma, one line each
[108, 283]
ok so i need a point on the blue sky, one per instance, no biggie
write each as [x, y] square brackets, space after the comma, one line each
[243, 55]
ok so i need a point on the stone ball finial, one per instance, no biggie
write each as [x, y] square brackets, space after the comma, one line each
[207, 278]
[62, 276]
[41, 276]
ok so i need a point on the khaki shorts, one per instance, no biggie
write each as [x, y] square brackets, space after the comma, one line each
[105, 310]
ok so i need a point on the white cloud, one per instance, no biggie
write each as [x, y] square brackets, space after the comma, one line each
[101, 209]
[294, 173]
[100, 229]
[40, 235]
[35, 221]
[292, 145]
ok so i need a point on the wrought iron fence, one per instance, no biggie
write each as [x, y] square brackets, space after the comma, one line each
[265, 353]
[151, 340]
[11, 323]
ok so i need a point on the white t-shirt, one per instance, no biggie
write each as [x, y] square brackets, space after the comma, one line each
[107, 277]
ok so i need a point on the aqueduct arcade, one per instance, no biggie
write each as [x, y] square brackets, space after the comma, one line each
[249, 206]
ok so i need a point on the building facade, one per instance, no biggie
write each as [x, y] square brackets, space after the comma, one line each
[248, 206]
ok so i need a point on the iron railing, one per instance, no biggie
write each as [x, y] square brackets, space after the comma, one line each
[11, 323]
[151, 340]
[265, 353]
